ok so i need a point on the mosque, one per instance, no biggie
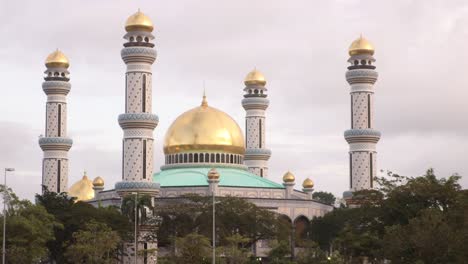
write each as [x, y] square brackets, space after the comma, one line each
[206, 151]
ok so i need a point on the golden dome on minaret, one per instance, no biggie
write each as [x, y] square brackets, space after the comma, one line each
[204, 128]
[82, 189]
[98, 182]
[308, 183]
[361, 46]
[57, 59]
[289, 177]
[139, 22]
[255, 77]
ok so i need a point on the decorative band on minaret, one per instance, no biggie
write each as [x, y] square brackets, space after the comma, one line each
[255, 103]
[362, 137]
[55, 144]
[138, 122]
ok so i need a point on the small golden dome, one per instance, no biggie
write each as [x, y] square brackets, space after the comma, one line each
[138, 22]
[255, 78]
[82, 189]
[308, 183]
[361, 46]
[204, 128]
[289, 177]
[57, 59]
[98, 182]
[213, 174]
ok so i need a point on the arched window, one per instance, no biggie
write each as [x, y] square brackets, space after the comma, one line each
[232, 161]
[202, 158]
[181, 160]
[217, 157]
[212, 158]
[222, 158]
[195, 157]
[207, 157]
[185, 158]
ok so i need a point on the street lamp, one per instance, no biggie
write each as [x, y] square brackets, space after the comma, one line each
[4, 212]
[136, 219]
[214, 229]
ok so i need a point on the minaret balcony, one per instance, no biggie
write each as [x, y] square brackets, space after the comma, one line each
[56, 87]
[138, 55]
[125, 188]
[138, 120]
[55, 143]
[257, 154]
[362, 76]
[255, 103]
[362, 135]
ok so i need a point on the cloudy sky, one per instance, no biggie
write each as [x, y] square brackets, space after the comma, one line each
[300, 46]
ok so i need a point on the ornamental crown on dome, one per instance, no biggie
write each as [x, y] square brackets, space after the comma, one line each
[139, 22]
[308, 183]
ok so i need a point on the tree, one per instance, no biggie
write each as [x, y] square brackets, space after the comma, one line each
[193, 248]
[235, 251]
[94, 244]
[73, 216]
[324, 197]
[280, 253]
[29, 227]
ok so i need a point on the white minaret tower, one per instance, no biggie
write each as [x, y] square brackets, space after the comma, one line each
[255, 103]
[138, 123]
[55, 144]
[362, 137]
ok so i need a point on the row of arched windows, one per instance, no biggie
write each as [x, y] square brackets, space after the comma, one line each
[204, 158]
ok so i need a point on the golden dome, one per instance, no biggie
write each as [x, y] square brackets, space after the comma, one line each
[361, 46]
[204, 128]
[82, 189]
[308, 183]
[98, 182]
[213, 174]
[254, 77]
[57, 59]
[289, 177]
[138, 22]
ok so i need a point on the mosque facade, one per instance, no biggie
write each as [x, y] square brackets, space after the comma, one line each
[205, 150]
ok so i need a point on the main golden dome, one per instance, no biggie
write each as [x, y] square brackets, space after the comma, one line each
[361, 46]
[57, 59]
[255, 77]
[204, 128]
[138, 22]
[82, 189]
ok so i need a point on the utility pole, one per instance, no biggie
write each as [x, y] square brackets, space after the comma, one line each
[214, 229]
[4, 213]
[136, 219]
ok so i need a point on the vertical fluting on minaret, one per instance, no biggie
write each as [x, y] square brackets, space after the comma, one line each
[362, 137]
[55, 143]
[255, 103]
[138, 122]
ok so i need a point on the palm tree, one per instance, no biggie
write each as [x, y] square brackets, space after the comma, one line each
[143, 202]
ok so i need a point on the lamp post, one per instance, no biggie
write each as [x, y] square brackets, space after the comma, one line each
[4, 213]
[214, 229]
[136, 219]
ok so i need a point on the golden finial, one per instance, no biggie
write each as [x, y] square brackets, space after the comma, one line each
[139, 22]
[204, 102]
[255, 77]
[57, 59]
[361, 46]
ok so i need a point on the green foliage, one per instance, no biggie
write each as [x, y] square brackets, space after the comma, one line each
[29, 227]
[324, 197]
[193, 248]
[96, 243]
[280, 252]
[73, 217]
[235, 251]
[407, 220]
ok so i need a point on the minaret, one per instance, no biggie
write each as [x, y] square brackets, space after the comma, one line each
[255, 103]
[138, 122]
[55, 144]
[362, 137]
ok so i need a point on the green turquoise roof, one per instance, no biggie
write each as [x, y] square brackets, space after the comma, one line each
[189, 177]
